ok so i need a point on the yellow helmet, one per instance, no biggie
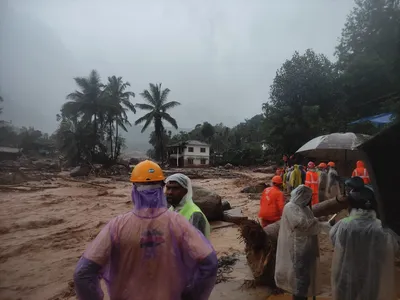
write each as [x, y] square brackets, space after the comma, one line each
[147, 171]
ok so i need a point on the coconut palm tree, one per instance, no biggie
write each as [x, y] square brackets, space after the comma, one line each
[86, 103]
[118, 99]
[157, 107]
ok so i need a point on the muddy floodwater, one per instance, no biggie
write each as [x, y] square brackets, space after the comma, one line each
[45, 228]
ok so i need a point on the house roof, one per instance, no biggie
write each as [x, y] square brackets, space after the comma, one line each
[190, 143]
[196, 143]
[9, 150]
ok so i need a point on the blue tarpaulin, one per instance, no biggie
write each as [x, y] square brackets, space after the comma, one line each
[378, 119]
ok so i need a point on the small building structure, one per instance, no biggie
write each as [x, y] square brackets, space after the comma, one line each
[9, 153]
[189, 154]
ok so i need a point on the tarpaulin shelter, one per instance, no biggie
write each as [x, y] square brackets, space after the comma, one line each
[380, 119]
[383, 164]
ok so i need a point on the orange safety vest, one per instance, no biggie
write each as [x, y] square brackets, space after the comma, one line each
[363, 173]
[271, 204]
[312, 183]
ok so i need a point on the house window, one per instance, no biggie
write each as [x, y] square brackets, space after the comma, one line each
[190, 149]
[190, 161]
[203, 161]
[203, 150]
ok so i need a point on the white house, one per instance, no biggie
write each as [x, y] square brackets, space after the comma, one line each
[189, 154]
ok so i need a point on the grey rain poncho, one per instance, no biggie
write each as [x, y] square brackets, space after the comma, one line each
[332, 187]
[297, 256]
[363, 266]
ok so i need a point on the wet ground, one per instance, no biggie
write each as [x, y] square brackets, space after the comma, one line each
[44, 232]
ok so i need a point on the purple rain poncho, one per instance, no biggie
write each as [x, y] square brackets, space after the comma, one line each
[148, 253]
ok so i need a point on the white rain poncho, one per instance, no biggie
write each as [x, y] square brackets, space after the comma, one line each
[363, 266]
[322, 184]
[184, 182]
[332, 187]
[297, 255]
[197, 218]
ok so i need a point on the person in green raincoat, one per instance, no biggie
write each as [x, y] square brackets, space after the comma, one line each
[179, 192]
[295, 177]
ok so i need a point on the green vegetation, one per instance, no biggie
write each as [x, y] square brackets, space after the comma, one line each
[310, 95]
[157, 107]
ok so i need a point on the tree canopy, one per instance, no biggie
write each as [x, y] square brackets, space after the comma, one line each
[157, 107]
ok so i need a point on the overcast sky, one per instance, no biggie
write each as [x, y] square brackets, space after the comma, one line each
[218, 57]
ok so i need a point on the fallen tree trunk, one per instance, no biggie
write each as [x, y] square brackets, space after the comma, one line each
[260, 243]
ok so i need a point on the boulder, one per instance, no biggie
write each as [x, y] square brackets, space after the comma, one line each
[270, 169]
[226, 205]
[233, 215]
[258, 188]
[80, 171]
[228, 166]
[209, 202]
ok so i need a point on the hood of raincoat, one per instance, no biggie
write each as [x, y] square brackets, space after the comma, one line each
[301, 195]
[360, 164]
[148, 200]
[364, 252]
[184, 182]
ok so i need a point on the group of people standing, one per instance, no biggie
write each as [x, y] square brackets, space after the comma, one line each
[363, 265]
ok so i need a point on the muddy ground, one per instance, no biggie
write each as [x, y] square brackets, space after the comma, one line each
[44, 232]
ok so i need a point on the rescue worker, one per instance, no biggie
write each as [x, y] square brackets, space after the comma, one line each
[363, 265]
[295, 177]
[286, 182]
[322, 181]
[312, 181]
[272, 202]
[179, 192]
[297, 255]
[148, 253]
[361, 171]
[333, 187]
[303, 174]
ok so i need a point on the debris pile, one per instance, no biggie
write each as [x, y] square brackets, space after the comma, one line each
[260, 252]
[205, 173]
[225, 266]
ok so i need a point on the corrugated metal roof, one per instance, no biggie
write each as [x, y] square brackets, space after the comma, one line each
[9, 150]
[196, 143]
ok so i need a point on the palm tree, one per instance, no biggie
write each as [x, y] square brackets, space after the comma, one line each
[118, 99]
[87, 103]
[157, 107]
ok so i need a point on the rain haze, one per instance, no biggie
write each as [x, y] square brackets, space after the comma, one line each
[217, 57]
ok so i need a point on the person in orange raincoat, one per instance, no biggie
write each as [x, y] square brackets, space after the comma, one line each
[272, 202]
[312, 181]
[361, 171]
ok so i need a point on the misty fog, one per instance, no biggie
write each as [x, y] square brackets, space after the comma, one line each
[217, 57]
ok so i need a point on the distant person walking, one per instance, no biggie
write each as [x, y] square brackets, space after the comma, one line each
[333, 187]
[361, 171]
[322, 181]
[312, 181]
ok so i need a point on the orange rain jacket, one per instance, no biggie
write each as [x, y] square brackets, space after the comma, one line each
[271, 204]
[312, 183]
[362, 172]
